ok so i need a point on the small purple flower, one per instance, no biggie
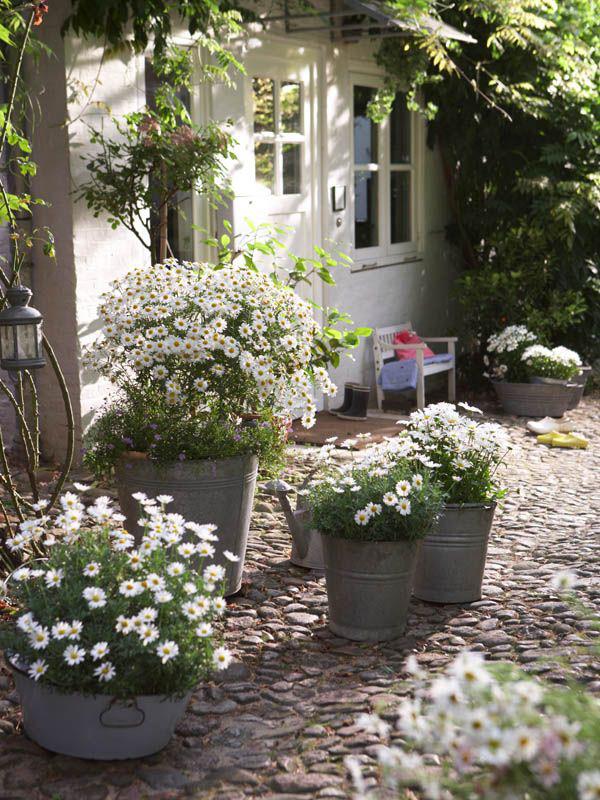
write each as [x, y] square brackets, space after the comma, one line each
[158, 437]
[110, 447]
[236, 437]
[153, 425]
[181, 456]
[127, 440]
[128, 466]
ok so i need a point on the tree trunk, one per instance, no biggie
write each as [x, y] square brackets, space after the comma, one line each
[163, 223]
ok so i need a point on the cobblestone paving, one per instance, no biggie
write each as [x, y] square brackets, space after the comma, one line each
[281, 722]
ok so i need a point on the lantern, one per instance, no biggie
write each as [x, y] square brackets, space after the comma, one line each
[20, 332]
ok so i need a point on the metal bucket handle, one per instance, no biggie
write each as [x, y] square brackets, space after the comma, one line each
[131, 704]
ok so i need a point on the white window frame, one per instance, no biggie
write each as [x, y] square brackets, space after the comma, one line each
[386, 253]
[278, 138]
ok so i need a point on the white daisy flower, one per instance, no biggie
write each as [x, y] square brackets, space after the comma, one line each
[230, 556]
[130, 588]
[95, 596]
[222, 658]
[54, 577]
[61, 630]
[390, 499]
[166, 651]
[403, 488]
[204, 629]
[105, 672]
[124, 624]
[148, 633]
[75, 629]
[37, 669]
[362, 516]
[403, 507]
[39, 638]
[175, 569]
[74, 655]
[91, 569]
[99, 650]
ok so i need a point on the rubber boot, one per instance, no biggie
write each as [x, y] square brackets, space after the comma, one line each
[360, 400]
[347, 402]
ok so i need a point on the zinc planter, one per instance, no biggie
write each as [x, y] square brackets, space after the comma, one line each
[368, 587]
[97, 726]
[534, 399]
[451, 559]
[219, 492]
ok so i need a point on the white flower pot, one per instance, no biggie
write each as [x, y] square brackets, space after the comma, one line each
[97, 726]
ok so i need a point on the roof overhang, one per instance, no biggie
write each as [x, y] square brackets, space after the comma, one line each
[350, 20]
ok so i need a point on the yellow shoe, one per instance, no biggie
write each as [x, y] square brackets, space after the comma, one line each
[571, 440]
[567, 440]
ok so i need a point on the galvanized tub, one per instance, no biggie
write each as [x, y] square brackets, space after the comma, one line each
[219, 492]
[97, 726]
[452, 557]
[368, 587]
[534, 399]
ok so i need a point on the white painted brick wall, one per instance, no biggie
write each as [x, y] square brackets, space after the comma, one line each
[89, 253]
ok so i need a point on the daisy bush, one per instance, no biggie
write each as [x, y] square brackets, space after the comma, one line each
[387, 494]
[465, 454]
[193, 348]
[557, 362]
[104, 613]
[503, 358]
[494, 732]
[211, 337]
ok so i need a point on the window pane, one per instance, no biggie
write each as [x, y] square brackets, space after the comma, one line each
[400, 144]
[289, 102]
[291, 154]
[365, 131]
[365, 209]
[264, 165]
[262, 95]
[400, 207]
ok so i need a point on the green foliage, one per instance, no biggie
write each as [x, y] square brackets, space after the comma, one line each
[516, 117]
[152, 20]
[334, 505]
[137, 176]
[148, 425]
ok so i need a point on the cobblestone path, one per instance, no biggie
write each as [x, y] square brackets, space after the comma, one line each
[280, 724]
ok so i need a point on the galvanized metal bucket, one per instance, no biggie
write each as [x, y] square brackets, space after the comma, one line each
[97, 726]
[219, 492]
[368, 587]
[451, 559]
[534, 399]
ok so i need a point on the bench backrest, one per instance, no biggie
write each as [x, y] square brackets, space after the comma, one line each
[383, 342]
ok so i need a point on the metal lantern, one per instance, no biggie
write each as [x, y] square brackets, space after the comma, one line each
[20, 332]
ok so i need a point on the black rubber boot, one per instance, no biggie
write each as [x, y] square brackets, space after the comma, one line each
[347, 402]
[360, 401]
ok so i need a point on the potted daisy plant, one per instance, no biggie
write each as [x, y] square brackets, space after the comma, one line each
[108, 636]
[371, 515]
[464, 455]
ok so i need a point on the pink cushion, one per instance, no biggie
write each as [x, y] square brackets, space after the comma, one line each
[409, 337]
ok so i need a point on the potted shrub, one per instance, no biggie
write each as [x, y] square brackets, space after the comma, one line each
[371, 516]
[108, 639]
[515, 373]
[466, 455]
[211, 361]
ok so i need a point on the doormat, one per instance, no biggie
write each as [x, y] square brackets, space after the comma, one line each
[328, 425]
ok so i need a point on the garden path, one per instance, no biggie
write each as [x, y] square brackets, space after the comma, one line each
[281, 722]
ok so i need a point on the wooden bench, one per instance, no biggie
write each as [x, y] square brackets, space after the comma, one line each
[383, 349]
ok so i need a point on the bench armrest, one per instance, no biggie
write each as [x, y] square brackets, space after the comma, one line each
[419, 346]
[439, 338]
